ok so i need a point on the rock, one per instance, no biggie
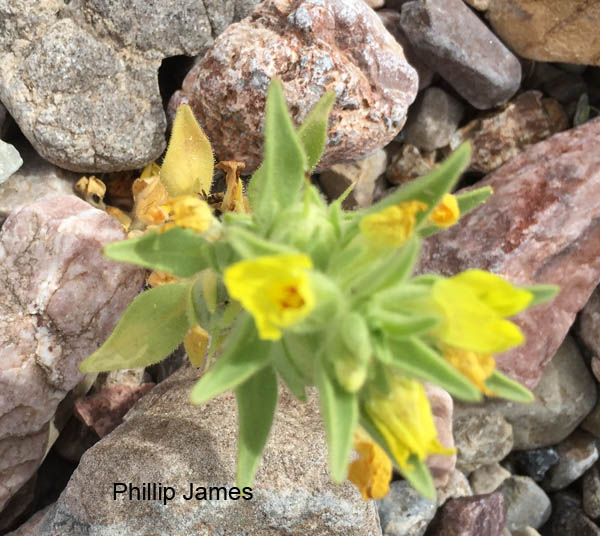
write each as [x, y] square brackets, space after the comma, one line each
[362, 173]
[480, 515]
[60, 300]
[536, 462]
[480, 5]
[529, 233]
[563, 398]
[502, 135]
[4, 120]
[168, 440]
[531, 29]
[568, 517]
[313, 47]
[30, 528]
[595, 366]
[441, 408]
[80, 78]
[481, 439]
[403, 512]
[34, 181]
[104, 411]
[456, 44]
[527, 531]
[577, 454]
[588, 325]
[566, 87]
[591, 492]
[10, 160]
[488, 478]
[591, 423]
[375, 4]
[16, 508]
[407, 164]
[433, 119]
[391, 21]
[456, 486]
[525, 503]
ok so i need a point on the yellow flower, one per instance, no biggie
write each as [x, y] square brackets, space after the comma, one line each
[392, 226]
[405, 421]
[275, 289]
[372, 471]
[473, 305]
[476, 367]
[446, 213]
[188, 212]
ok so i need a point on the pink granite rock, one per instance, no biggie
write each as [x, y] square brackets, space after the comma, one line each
[480, 515]
[441, 407]
[104, 411]
[542, 225]
[59, 300]
[312, 47]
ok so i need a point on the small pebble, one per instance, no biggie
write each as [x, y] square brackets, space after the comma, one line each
[10, 160]
[536, 462]
[488, 478]
[526, 504]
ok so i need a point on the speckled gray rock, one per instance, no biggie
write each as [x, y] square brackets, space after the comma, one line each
[588, 324]
[564, 396]
[433, 119]
[34, 181]
[312, 46]
[576, 454]
[404, 512]
[461, 48]
[480, 438]
[10, 160]
[362, 173]
[166, 439]
[525, 503]
[591, 492]
[529, 233]
[488, 478]
[80, 77]
[59, 300]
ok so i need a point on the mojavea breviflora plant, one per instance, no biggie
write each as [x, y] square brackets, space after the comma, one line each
[284, 287]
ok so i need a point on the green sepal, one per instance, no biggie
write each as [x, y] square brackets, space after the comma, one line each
[504, 387]
[256, 402]
[150, 329]
[467, 202]
[417, 359]
[288, 371]
[415, 471]
[244, 355]
[390, 270]
[339, 410]
[542, 293]
[180, 252]
[313, 131]
[277, 182]
[400, 325]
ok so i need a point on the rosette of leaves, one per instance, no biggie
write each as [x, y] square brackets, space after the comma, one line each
[301, 291]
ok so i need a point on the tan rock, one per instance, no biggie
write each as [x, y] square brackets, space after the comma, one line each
[338, 45]
[441, 408]
[166, 439]
[481, 5]
[549, 30]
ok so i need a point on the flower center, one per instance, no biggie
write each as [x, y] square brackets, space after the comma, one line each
[291, 298]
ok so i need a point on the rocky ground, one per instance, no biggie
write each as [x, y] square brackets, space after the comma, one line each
[89, 87]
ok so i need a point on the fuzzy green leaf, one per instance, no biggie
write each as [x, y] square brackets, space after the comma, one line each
[288, 371]
[244, 355]
[256, 401]
[180, 252]
[504, 387]
[149, 330]
[415, 358]
[277, 183]
[313, 131]
[340, 415]
[400, 325]
[248, 245]
[542, 293]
